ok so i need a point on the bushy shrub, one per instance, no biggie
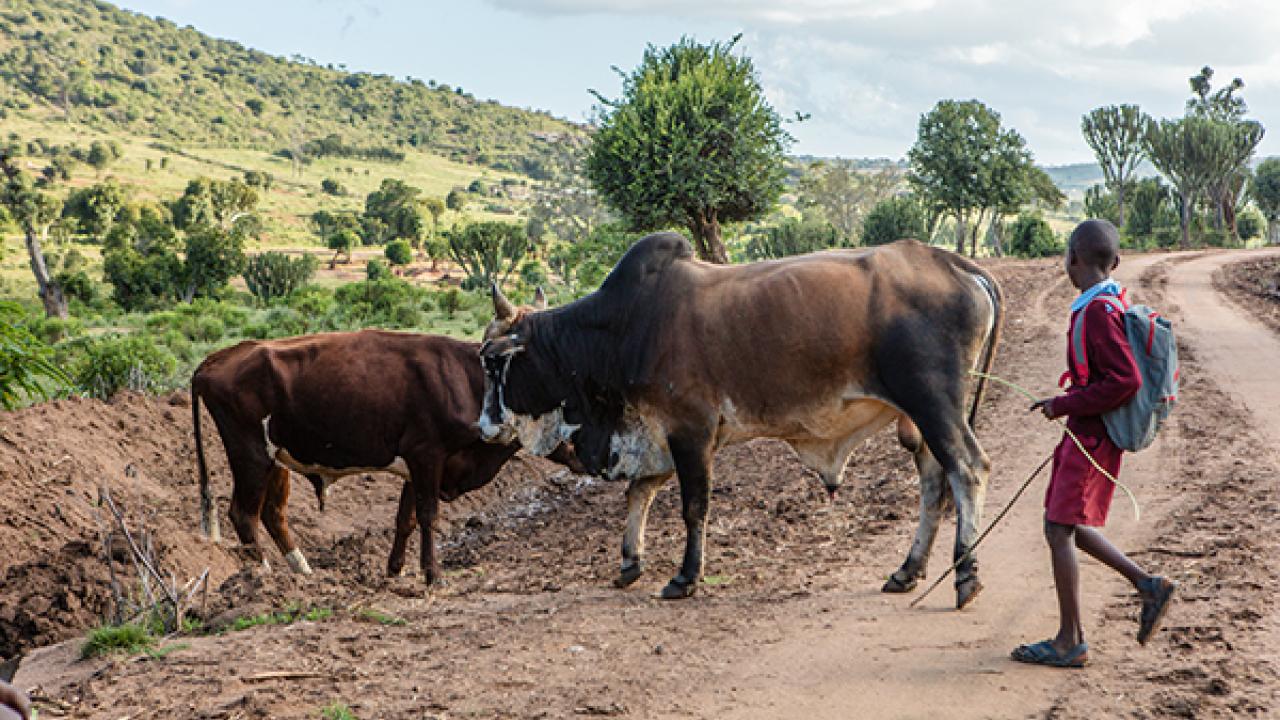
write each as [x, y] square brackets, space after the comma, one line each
[399, 252]
[449, 301]
[533, 273]
[1250, 224]
[329, 186]
[52, 330]
[272, 275]
[792, 237]
[894, 219]
[377, 269]
[112, 363]
[312, 301]
[27, 369]
[1031, 236]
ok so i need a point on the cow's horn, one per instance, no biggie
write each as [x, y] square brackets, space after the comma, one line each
[539, 299]
[502, 307]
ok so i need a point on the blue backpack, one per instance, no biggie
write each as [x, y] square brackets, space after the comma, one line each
[1133, 426]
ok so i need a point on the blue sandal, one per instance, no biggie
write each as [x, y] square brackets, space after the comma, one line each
[1043, 653]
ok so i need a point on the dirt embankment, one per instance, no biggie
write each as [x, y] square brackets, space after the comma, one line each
[1255, 286]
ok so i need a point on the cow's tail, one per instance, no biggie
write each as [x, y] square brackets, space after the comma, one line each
[208, 511]
[992, 288]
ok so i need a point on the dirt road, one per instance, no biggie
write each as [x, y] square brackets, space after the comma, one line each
[791, 623]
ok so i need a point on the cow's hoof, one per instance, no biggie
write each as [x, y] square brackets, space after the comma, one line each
[395, 572]
[298, 562]
[966, 591]
[628, 575]
[678, 589]
[900, 582]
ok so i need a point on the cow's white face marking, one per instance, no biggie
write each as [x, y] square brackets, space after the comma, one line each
[640, 449]
[504, 430]
[543, 434]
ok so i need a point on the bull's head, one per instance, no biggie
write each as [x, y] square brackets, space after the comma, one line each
[517, 403]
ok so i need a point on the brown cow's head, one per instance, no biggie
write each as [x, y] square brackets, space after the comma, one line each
[533, 414]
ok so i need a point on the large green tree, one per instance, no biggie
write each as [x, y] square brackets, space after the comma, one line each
[34, 211]
[1115, 133]
[966, 165]
[393, 212]
[692, 141]
[1194, 153]
[95, 208]
[1266, 194]
[488, 251]
[843, 196]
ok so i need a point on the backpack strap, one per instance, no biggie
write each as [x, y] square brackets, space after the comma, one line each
[1119, 304]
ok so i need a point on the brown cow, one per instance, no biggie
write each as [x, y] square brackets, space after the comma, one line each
[336, 404]
[672, 358]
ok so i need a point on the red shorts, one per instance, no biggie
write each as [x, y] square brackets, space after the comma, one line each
[1078, 494]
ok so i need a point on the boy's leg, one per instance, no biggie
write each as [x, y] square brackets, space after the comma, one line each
[1066, 578]
[1099, 548]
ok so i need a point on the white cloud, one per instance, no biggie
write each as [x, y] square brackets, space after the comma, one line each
[867, 69]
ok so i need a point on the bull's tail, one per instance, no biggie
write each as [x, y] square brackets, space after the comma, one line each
[208, 511]
[989, 284]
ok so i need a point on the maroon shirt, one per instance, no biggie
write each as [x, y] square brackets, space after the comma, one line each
[1113, 373]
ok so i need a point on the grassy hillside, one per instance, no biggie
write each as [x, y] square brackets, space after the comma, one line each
[97, 66]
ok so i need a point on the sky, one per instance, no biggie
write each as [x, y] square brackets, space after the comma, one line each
[863, 71]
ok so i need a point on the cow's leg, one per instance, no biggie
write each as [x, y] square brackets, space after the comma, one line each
[639, 497]
[968, 483]
[275, 516]
[249, 472]
[933, 496]
[692, 457]
[406, 521]
[425, 474]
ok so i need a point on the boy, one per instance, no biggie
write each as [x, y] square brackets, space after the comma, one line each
[1079, 496]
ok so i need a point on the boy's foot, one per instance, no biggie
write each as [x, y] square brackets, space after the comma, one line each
[1156, 593]
[1043, 653]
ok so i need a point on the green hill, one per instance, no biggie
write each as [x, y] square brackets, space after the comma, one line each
[97, 66]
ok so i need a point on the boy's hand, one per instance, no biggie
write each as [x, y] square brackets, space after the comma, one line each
[1045, 406]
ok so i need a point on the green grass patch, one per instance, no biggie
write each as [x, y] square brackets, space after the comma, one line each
[163, 652]
[717, 580]
[127, 639]
[377, 616]
[337, 711]
[287, 616]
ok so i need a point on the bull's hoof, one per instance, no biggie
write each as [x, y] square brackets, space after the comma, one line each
[394, 571]
[678, 589]
[628, 575]
[298, 562]
[900, 582]
[966, 591]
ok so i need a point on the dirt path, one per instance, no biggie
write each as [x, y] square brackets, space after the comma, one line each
[879, 658]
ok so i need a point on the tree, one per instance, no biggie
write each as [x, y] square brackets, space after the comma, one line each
[793, 237]
[1151, 201]
[1115, 133]
[271, 275]
[341, 243]
[34, 212]
[488, 251]
[691, 142]
[1225, 107]
[1193, 152]
[435, 208]
[456, 200]
[213, 202]
[102, 154]
[1266, 194]
[398, 252]
[893, 219]
[1031, 236]
[214, 256]
[843, 195]
[96, 207]
[1099, 202]
[392, 212]
[1223, 104]
[964, 164]
[329, 186]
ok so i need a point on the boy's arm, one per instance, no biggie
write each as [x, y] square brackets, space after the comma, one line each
[1113, 374]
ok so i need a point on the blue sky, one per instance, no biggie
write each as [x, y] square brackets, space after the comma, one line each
[864, 70]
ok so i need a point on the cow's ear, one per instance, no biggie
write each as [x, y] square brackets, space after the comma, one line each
[539, 299]
[502, 307]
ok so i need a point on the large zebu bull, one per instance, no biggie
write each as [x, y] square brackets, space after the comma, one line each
[672, 358]
[335, 404]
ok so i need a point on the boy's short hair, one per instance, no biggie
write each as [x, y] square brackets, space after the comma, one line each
[1096, 243]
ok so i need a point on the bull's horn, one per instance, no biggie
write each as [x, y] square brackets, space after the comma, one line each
[502, 307]
[539, 299]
